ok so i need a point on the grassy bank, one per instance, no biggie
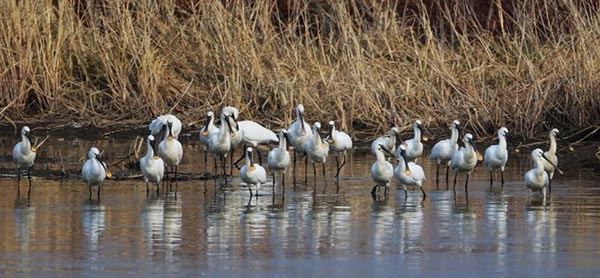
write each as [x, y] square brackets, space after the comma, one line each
[365, 65]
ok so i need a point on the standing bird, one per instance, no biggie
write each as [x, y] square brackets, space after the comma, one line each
[551, 155]
[219, 144]
[388, 141]
[279, 158]
[339, 142]
[465, 159]
[299, 133]
[206, 131]
[94, 171]
[152, 165]
[254, 134]
[170, 150]
[317, 150]
[414, 147]
[443, 150]
[24, 156]
[409, 173]
[252, 173]
[157, 126]
[496, 155]
[537, 179]
[382, 171]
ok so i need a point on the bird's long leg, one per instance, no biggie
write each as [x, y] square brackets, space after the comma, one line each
[157, 188]
[491, 178]
[294, 171]
[99, 187]
[283, 183]
[273, 174]
[239, 159]
[90, 196]
[455, 175]
[424, 195]
[324, 177]
[502, 179]
[314, 175]
[447, 169]
[305, 166]
[205, 162]
[437, 176]
[373, 191]
[259, 156]
[467, 182]
[147, 189]
[18, 178]
[176, 179]
[549, 185]
[29, 178]
[337, 167]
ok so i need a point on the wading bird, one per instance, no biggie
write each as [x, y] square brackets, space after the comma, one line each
[414, 147]
[551, 155]
[537, 179]
[465, 159]
[94, 171]
[252, 173]
[409, 173]
[170, 150]
[152, 165]
[24, 156]
[157, 126]
[253, 133]
[279, 158]
[443, 150]
[496, 155]
[219, 144]
[205, 132]
[299, 132]
[317, 150]
[382, 171]
[339, 142]
[388, 141]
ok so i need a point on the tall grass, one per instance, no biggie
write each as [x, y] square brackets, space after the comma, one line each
[367, 65]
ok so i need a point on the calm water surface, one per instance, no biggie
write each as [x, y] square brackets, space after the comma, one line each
[210, 229]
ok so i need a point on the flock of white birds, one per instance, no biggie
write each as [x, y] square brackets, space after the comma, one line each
[164, 153]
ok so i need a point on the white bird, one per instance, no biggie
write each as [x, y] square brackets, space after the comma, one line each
[409, 173]
[339, 142]
[443, 150]
[316, 150]
[299, 133]
[414, 146]
[388, 141]
[252, 173]
[152, 165]
[219, 144]
[206, 131]
[279, 158]
[232, 114]
[170, 150]
[496, 155]
[253, 134]
[157, 126]
[551, 155]
[537, 179]
[465, 159]
[94, 171]
[24, 155]
[382, 171]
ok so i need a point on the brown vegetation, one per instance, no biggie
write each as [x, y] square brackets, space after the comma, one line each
[366, 64]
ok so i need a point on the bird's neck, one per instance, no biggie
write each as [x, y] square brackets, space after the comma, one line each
[454, 137]
[150, 150]
[502, 142]
[25, 140]
[282, 143]
[552, 144]
[417, 134]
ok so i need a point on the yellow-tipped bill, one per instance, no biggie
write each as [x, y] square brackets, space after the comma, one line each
[156, 157]
[252, 167]
[517, 150]
[425, 138]
[323, 145]
[571, 148]
[232, 134]
[407, 172]
[33, 148]
[108, 174]
[479, 157]
[205, 133]
[170, 137]
[330, 140]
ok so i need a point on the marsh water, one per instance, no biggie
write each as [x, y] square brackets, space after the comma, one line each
[208, 228]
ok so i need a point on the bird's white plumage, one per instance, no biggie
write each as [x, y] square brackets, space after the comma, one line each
[300, 130]
[316, 148]
[170, 149]
[152, 165]
[551, 154]
[232, 114]
[388, 141]
[339, 141]
[414, 146]
[443, 150]
[496, 156]
[93, 171]
[416, 176]
[156, 126]
[252, 173]
[23, 155]
[537, 179]
[208, 129]
[279, 157]
[254, 134]
[465, 159]
[219, 143]
[382, 171]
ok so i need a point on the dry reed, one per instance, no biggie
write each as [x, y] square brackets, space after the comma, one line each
[366, 64]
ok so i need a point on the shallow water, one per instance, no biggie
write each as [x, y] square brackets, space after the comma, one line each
[210, 229]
